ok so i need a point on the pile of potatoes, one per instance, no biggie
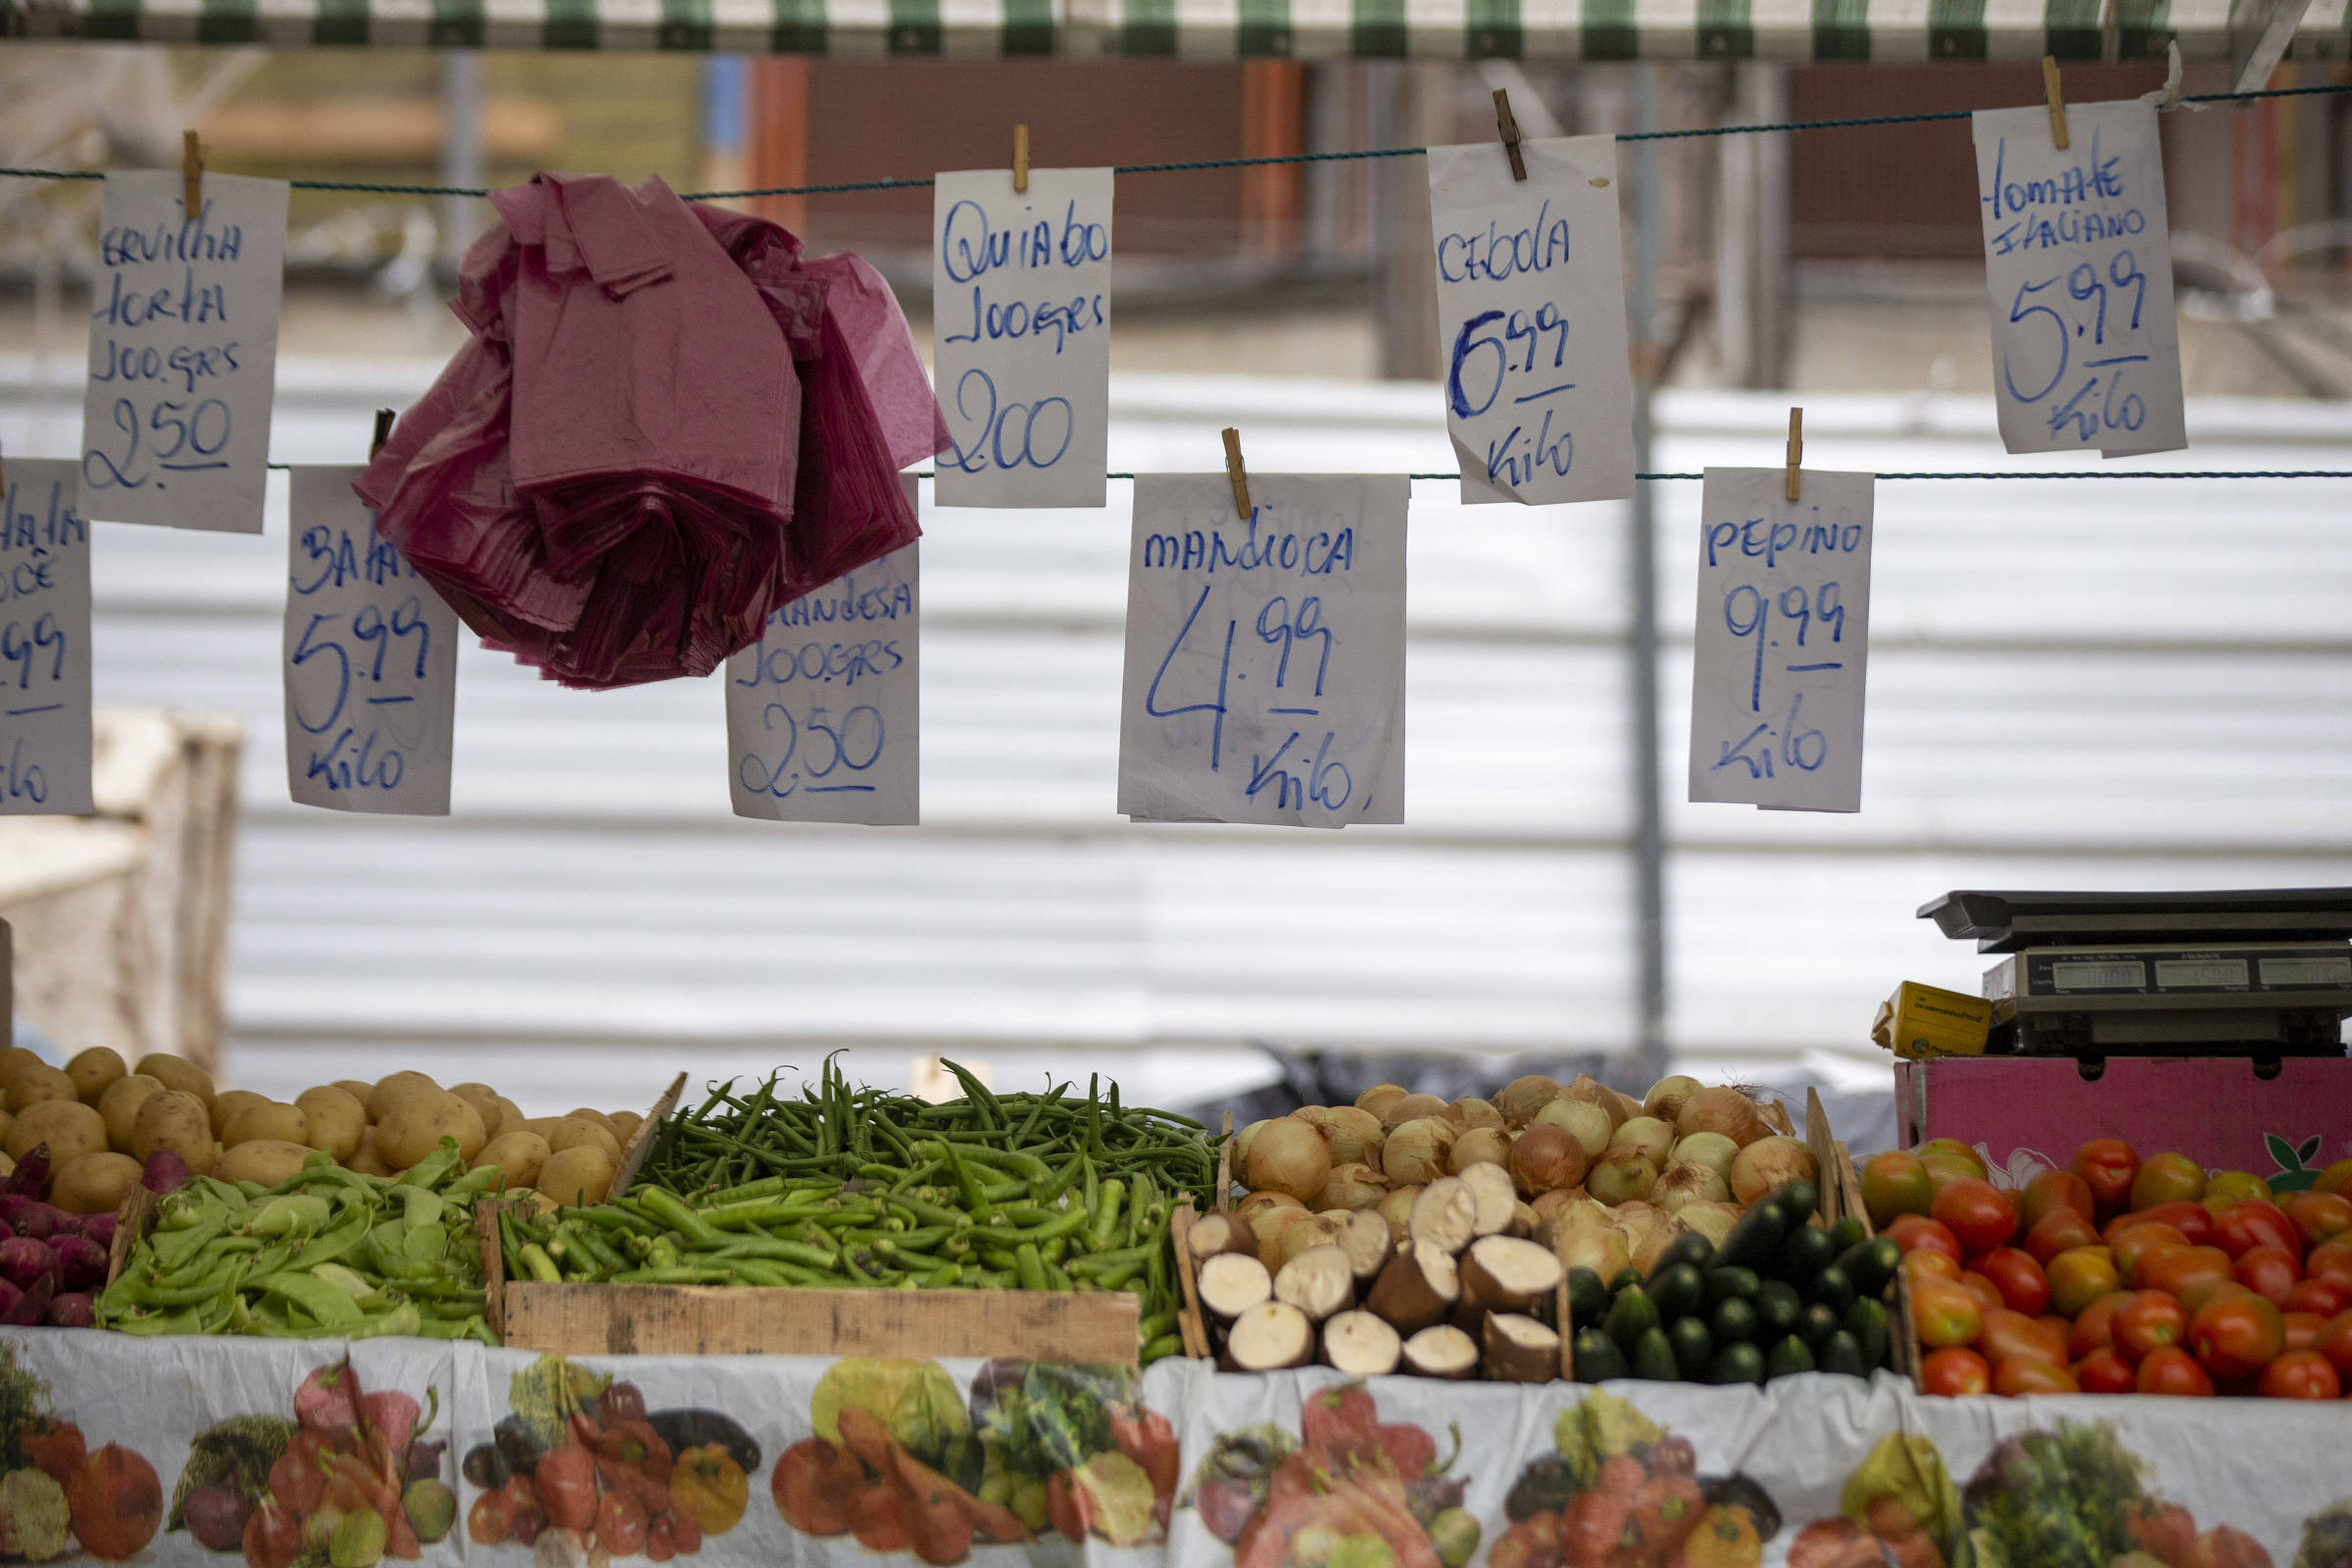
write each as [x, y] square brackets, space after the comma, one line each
[102, 1120]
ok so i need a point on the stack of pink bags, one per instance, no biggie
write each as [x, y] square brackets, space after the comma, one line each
[666, 424]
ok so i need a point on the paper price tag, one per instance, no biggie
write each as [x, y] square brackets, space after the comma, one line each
[1020, 299]
[824, 715]
[1531, 320]
[371, 661]
[2077, 256]
[1782, 642]
[183, 352]
[44, 643]
[1264, 677]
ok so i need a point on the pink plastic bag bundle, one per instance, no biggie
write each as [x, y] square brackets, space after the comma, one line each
[665, 426]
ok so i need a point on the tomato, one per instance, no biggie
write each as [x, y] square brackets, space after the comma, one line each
[2236, 1183]
[1913, 1232]
[2019, 1279]
[2173, 1371]
[2137, 1242]
[2167, 1179]
[2330, 1261]
[1954, 1148]
[2164, 1531]
[2270, 1272]
[1945, 1169]
[2103, 1371]
[2335, 1342]
[1944, 1312]
[2189, 1219]
[2080, 1276]
[1954, 1371]
[1977, 1212]
[2301, 1375]
[1925, 1264]
[2254, 1222]
[2320, 1216]
[2148, 1322]
[2055, 1188]
[2020, 1375]
[2324, 1297]
[2107, 1166]
[2336, 1178]
[1983, 1290]
[1895, 1183]
[2237, 1336]
[2175, 1272]
[2013, 1336]
[2199, 1295]
[2094, 1325]
[2060, 1230]
[2303, 1330]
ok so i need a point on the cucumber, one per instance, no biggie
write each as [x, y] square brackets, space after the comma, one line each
[1788, 1358]
[1735, 1322]
[1778, 1307]
[1732, 1284]
[1832, 1289]
[1737, 1363]
[1628, 1275]
[1631, 1315]
[1869, 1266]
[1866, 1321]
[1588, 1296]
[1798, 1200]
[1597, 1357]
[1690, 1246]
[1694, 1349]
[1849, 1232]
[1807, 1251]
[1843, 1355]
[1817, 1324]
[1677, 1292]
[1654, 1357]
[1755, 1241]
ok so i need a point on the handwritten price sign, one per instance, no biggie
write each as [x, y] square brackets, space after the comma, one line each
[183, 352]
[1021, 296]
[44, 643]
[2078, 254]
[371, 661]
[1783, 640]
[1265, 656]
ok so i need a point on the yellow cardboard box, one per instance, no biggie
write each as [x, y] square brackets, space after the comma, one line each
[1923, 1021]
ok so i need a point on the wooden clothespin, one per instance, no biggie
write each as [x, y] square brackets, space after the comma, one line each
[383, 432]
[2049, 84]
[1237, 474]
[1797, 446]
[1020, 160]
[1506, 123]
[191, 172]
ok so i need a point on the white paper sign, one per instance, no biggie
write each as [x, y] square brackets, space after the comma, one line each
[44, 643]
[1265, 657]
[1531, 320]
[1020, 302]
[371, 661]
[183, 352]
[1783, 640]
[824, 715]
[2077, 256]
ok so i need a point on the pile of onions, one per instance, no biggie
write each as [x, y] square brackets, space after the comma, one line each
[1667, 1097]
[1411, 1108]
[1350, 1185]
[1288, 1156]
[1769, 1162]
[1647, 1137]
[1623, 1176]
[1710, 1150]
[1415, 1152]
[1353, 1133]
[1684, 1183]
[1487, 1145]
[1721, 1110]
[1546, 1159]
[1582, 1120]
[1522, 1098]
[1378, 1098]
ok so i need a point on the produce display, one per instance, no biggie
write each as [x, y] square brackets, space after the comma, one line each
[103, 1120]
[845, 1186]
[50, 1259]
[1617, 1487]
[2121, 1275]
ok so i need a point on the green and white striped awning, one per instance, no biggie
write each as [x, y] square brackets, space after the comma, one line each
[1891, 30]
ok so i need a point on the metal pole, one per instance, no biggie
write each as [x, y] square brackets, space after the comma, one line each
[461, 154]
[1649, 838]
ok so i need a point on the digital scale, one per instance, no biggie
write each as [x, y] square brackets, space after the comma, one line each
[2264, 973]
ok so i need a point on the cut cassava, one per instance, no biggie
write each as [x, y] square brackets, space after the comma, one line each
[1445, 1216]
[1220, 1232]
[1231, 1282]
[1416, 1289]
[1497, 1200]
[1520, 1350]
[1318, 1282]
[1442, 1351]
[1504, 1274]
[1361, 1345]
[1368, 1244]
[1270, 1337]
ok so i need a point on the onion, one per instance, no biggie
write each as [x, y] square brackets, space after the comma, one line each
[1378, 1098]
[1621, 1177]
[1714, 1221]
[1411, 1108]
[1546, 1159]
[1416, 1149]
[1665, 1097]
[1645, 1246]
[1710, 1150]
[1768, 1163]
[1628, 1107]
[1288, 1156]
[1471, 1112]
[1397, 1207]
[1350, 1185]
[1522, 1098]
[1598, 1248]
[1353, 1133]
[1249, 1208]
[1267, 1225]
[1680, 1185]
[1721, 1110]
[1582, 1120]
[1479, 1145]
[1589, 1089]
[1647, 1137]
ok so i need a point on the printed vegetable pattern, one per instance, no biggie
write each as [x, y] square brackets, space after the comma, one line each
[1620, 1492]
[57, 1494]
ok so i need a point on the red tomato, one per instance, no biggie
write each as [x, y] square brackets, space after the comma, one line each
[2054, 1188]
[1944, 1312]
[2020, 1375]
[2019, 1279]
[2103, 1371]
[2301, 1375]
[2167, 1179]
[2107, 1166]
[2190, 1219]
[2250, 1222]
[1913, 1232]
[2172, 1371]
[2336, 1343]
[2199, 1295]
[2330, 1261]
[2147, 1323]
[2324, 1297]
[2303, 1330]
[1895, 1183]
[2060, 1230]
[1927, 1263]
[1954, 1371]
[2225, 1548]
[2094, 1325]
[1977, 1212]
[2270, 1272]
[2175, 1272]
[1945, 1169]
[2320, 1216]
[2236, 1337]
[2080, 1276]
[1983, 1290]
[2137, 1242]
[2013, 1336]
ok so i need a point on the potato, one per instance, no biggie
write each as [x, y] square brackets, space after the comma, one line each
[367, 1161]
[174, 1119]
[14, 1059]
[358, 1089]
[36, 1083]
[268, 1160]
[68, 1127]
[544, 1126]
[94, 1184]
[571, 1132]
[5, 1119]
[269, 1121]
[227, 1103]
[625, 1123]
[484, 1100]
[510, 1118]
[120, 1106]
[177, 1072]
[392, 1089]
[336, 1121]
[414, 1127]
[8, 1166]
[581, 1174]
[518, 1156]
[93, 1070]
[595, 1116]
